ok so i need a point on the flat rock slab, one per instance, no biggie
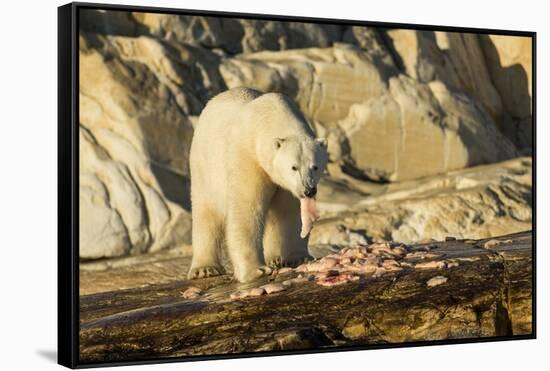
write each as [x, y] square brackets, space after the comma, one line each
[487, 294]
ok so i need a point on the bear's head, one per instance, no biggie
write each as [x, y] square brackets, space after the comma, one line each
[298, 163]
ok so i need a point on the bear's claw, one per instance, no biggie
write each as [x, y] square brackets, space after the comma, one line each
[279, 262]
[275, 263]
[203, 272]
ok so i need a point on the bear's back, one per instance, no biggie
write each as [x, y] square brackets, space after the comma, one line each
[223, 111]
[235, 96]
[217, 134]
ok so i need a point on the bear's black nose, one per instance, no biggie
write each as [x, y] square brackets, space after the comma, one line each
[310, 192]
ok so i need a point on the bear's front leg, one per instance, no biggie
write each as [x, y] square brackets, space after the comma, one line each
[283, 246]
[246, 210]
[207, 239]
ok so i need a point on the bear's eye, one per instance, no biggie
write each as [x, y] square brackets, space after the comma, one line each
[295, 168]
[315, 168]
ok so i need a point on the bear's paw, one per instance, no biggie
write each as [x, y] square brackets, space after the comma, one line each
[203, 272]
[254, 274]
[292, 262]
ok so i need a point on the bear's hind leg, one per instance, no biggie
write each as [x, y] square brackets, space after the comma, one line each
[207, 238]
[282, 244]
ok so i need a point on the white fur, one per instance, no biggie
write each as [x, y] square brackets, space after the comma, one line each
[243, 188]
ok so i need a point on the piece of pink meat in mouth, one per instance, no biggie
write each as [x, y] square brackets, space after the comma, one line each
[308, 214]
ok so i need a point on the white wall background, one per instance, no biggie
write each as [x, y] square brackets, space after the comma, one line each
[28, 182]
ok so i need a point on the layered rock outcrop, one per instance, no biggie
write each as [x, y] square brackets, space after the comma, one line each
[400, 109]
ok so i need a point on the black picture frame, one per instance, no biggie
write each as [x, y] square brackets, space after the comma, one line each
[68, 179]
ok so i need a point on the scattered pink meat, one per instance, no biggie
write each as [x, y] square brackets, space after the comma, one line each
[336, 280]
[363, 268]
[308, 214]
[191, 293]
[270, 288]
[399, 250]
[355, 252]
[452, 263]
[434, 264]
[351, 263]
[284, 270]
[325, 274]
[329, 262]
[256, 291]
[391, 265]
[240, 294]
[421, 255]
[437, 280]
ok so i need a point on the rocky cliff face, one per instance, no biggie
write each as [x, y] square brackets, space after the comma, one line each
[404, 113]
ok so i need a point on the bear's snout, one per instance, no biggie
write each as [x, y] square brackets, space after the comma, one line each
[310, 191]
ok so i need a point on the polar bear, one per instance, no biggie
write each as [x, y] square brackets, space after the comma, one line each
[254, 160]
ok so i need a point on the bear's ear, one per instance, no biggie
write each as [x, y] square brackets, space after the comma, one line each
[322, 142]
[279, 142]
